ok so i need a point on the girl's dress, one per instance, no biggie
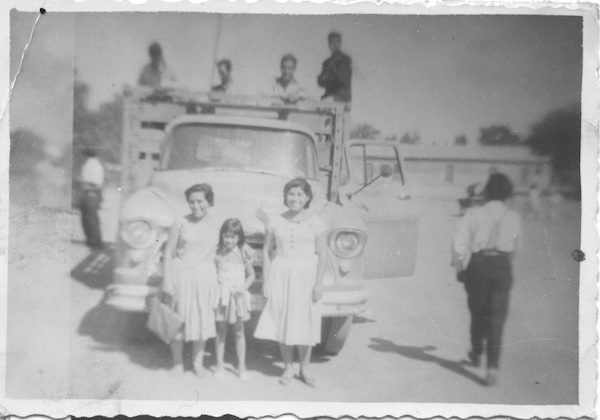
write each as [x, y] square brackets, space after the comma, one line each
[290, 316]
[231, 273]
[194, 278]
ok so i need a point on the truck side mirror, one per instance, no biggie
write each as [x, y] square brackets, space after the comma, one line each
[386, 171]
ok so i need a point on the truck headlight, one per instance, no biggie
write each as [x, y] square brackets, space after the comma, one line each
[347, 243]
[138, 234]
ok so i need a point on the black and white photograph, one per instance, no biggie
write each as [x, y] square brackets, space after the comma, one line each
[290, 205]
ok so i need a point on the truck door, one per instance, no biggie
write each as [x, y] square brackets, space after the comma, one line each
[386, 207]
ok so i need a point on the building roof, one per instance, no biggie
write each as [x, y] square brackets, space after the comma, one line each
[498, 154]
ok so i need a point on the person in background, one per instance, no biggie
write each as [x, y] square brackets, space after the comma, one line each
[484, 243]
[224, 70]
[286, 87]
[156, 74]
[91, 181]
[336, 73]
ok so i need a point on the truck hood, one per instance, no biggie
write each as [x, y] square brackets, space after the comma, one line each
[237, 194]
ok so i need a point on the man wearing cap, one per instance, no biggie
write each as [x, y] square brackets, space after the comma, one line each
[156, 74]
[336, 73]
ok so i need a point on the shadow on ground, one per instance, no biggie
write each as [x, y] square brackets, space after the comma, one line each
[422, 354]
[96, 270]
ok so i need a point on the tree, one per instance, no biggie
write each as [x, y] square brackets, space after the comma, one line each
[497, 135]
[99, 130]
[460, 140]
[27, 149]
[412, 137]
[558, 135]
[364, 131]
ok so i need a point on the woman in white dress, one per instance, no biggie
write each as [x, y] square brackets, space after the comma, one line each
[294, 258]
[191, 276]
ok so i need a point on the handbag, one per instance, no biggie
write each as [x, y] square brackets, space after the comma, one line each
[163, 320]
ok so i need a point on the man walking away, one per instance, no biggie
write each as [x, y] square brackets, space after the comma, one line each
[489, 235]
[91, 181]
[336, 74]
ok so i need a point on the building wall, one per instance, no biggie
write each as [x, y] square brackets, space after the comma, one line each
[460, 174]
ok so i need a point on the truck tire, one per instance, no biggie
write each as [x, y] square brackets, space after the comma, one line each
[334, 332]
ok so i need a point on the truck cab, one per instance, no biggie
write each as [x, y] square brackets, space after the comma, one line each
[247, 149]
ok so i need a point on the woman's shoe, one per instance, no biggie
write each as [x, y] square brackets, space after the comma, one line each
[286, 378]
[220, 374]
[308, 379]
[176, 370]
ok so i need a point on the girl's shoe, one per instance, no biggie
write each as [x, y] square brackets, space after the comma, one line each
[176, 370]
[220, 374]
[474, 358]
[243, 375]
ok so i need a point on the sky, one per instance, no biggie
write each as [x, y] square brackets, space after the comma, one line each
[439, 75]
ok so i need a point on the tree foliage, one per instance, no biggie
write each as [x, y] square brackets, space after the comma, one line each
[412, 137]
[27, 149]
[100, 129]
[497, 135]
[460, 140]
[558, 135]
[365, 131]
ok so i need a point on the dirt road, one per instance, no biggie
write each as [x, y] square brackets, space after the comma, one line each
[409, 347]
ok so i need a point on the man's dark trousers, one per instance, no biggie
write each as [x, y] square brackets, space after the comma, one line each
[488, 283]
[89, 205]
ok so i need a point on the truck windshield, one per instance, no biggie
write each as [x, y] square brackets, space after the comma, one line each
[239, 148]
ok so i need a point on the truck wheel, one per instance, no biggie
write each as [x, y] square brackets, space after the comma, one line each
[334, 332]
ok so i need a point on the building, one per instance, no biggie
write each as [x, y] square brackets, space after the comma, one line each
[450, 170]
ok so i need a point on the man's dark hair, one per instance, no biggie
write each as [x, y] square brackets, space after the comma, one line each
[89, 153]
[155, 49]
[289, 57]
[225, 62]
[498, 187]
[334, 35]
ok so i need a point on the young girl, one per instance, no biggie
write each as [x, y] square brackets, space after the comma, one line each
[235, 274]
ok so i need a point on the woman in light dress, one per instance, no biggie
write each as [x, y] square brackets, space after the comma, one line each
[294, 258]
[190, 275]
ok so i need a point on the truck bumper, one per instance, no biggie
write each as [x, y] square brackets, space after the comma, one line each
[339, 300]
[128, 297]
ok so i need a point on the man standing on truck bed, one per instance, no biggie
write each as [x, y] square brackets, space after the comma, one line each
[156, 74]
[336, 74]
[224, 70]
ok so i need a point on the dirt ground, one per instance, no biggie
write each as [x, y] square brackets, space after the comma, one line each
[410, 346]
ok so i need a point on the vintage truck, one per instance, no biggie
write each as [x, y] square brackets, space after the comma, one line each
[247, 149]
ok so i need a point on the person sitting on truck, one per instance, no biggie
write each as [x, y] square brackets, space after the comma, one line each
[294, 258]
[156, 74]
[487, 237]
[286, 87]
[224, 70]
[336, 73]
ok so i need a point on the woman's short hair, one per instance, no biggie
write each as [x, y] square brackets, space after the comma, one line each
[303, 184]
[232, 226]
[203, 188]
[498, 187]
[289, 57]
